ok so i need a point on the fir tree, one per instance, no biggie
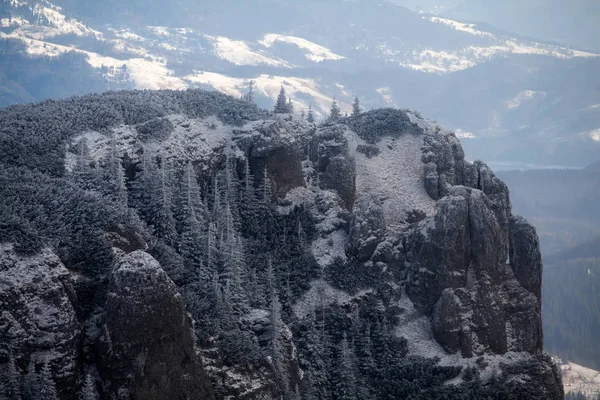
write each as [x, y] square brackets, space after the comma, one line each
[281, 105]
[277, 355]
[335, 113]
[88, 392]
[163, 220]
[290, 106]
[345, 382]
[266, 191]
[13, 380]
[31, 386]
[356, 107]
[249, 96]
[310, 117]
[46, 382]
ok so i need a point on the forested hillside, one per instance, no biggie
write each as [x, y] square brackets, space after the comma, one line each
[303, 276]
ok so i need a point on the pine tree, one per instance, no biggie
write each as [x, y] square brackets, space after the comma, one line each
[190, 199]
[290, 106]
[115, 174]
[13, 380]
[356, 107]
[249, 96]
[277, 355]
[345, 382]
[310, 116]
[366, 362]
[46, 382]
[265, 189]
[88, 392]
[281, 105]
[316, 358]
[303, 114]
[162, 219]
[336, 112]
[31, 387]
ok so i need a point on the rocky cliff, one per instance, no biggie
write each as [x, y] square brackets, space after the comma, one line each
[361, 253]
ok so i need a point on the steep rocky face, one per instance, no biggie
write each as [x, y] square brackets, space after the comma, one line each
[37, 318]
[148, 349]
[470, 266]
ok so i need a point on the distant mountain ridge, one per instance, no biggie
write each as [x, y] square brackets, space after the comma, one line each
[504, 94]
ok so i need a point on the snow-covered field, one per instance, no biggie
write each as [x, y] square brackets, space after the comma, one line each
[580, 379]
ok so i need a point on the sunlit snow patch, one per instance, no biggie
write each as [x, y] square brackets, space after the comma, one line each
[316, 53]
[239, 53]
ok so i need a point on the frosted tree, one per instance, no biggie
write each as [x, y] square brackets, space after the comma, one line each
[266, 191]
[115, 174]
[31, 386]
[310, 117]
[46, 382]
[335, 113]
[88, 392]
[303, 114]
[249, 96]
[345, 382]
[281, 105]
[163, 220]
[356, 107]
[317, 357]
[12, 388]
[290, 106]
[211, 250]
[366, 361]
[277, 355]
[190, 198]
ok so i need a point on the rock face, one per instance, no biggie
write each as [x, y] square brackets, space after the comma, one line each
[471, 267]
[37, 318]
[149, 350]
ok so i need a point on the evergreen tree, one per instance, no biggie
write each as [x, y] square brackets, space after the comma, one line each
[316, 357]
[310, 116]
[356, 107]
[335, 113]
[31, 386]
[303, 114]
[345, 379]
[46, 384]
[290, 106]
[163, 220]
[13, 380]
[281, 105]
[277, 355]
[249, 96]
[366, 361]
[266, 191]
[88, 392]
[114, 174]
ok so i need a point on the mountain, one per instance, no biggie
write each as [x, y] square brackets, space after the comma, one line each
[186, 244]
[506, 95]
[573, 23]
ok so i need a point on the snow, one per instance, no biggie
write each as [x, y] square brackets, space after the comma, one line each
[269, 85]
[322, 294]
[327, 249]
[239, 53]
[395, 176]
[522, 97]
[460, 26]
[316, 53]
[16, 20]
[62, 24]
[577, 378]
